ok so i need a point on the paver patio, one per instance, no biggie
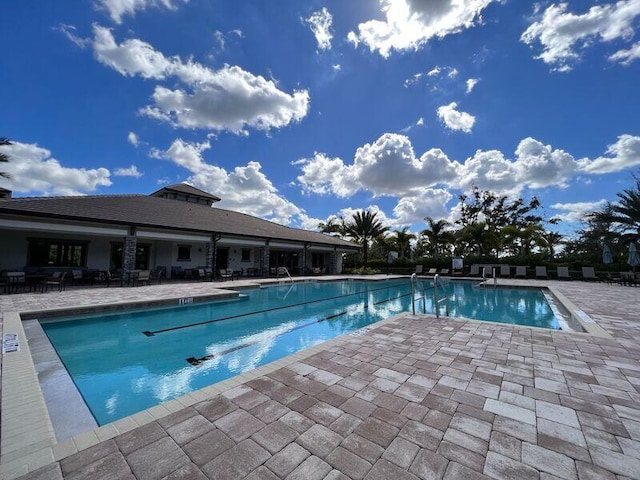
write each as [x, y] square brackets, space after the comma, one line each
[412, 398]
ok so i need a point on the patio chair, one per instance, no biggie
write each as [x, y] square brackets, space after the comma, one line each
[226, 274]
[419, 269]
[55, 280]
[444, 271]
[541, 273]
[589, 274]
[474, 271]
[432, 271]
[16, 281]
[563, 273]
[505, 271]
[142, 277]
[78, 277]
[521, 271]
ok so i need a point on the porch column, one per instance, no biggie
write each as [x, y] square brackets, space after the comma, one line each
[212, 253]
[264, 258]
[129, 247]
[303, 265]
[333, 262]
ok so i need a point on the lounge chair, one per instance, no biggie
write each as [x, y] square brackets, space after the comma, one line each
[521, 271]
[505, 271]
[474, 271]
[419, 269]
[589, 274]
[55, 280]
[541, 273]
[444, 271]
[432, 271]
[563, 273]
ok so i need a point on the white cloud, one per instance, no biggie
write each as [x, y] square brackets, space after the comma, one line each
[417, 123]
[423, 185]
[409, 24]
[628, 56]
[471, 83]
[454, 119]
[245, 189]
[34, 170]
[434, 72]
[320, 23]
[623, 154]
[131, 171]
[229, 98]
[131, 57]
[576, 212]
[119, 8]
[563, 34]
[387, 166]
[133, 139]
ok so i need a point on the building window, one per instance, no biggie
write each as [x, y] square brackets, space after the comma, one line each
[246, 255]
[57, 253]
[184, 253]
[143, 251]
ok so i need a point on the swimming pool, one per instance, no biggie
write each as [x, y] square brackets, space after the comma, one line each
[128, 361]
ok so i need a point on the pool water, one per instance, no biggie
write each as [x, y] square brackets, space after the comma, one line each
[125, 362]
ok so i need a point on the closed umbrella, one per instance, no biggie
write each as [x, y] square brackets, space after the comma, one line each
[634, 256]
[606, 254]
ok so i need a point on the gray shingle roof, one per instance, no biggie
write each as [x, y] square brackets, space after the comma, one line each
[149, 211]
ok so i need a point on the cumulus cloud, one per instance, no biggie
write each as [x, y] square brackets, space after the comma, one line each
[131, 171]
[423, 185]
[409, 24]
[229, 98]
[387, 166]
[471, 83]
[245, 189]
[576, 212]
[455, 120]
[320, 23]
[119, 8]
[563, 34]
[34, 170]
[623, 154]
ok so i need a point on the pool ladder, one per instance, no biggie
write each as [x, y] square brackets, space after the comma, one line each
[437, 300]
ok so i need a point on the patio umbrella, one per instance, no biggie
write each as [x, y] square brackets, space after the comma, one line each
[634, 256]
[606, 254]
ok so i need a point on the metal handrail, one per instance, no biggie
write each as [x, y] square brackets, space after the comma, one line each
[436, 300]
[285, 270]
[413, 296]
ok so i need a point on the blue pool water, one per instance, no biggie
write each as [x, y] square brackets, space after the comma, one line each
[126, 362]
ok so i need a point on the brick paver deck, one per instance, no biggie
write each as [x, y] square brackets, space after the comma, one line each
[414, 398]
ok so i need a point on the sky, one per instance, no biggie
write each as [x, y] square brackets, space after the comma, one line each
[299, 111]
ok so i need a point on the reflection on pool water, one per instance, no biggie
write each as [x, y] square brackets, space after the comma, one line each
[126, 362]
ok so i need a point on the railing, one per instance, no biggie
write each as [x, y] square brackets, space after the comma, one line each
[284, 271]
[436, 299]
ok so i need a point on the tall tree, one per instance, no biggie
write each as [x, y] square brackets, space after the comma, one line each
[4, 158]
[627, 210]
[438, 235]
[334, 226]
[401, 239]
[363, 227]
[550, 240]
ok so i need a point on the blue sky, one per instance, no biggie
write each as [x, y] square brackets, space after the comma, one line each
[297, 111]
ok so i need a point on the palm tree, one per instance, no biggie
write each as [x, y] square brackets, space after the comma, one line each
[438, 234]
[478, 238]
[627, 210]
[334, 226]
[551, 240]
[402, 241]
[4, 158]
[364, 227]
